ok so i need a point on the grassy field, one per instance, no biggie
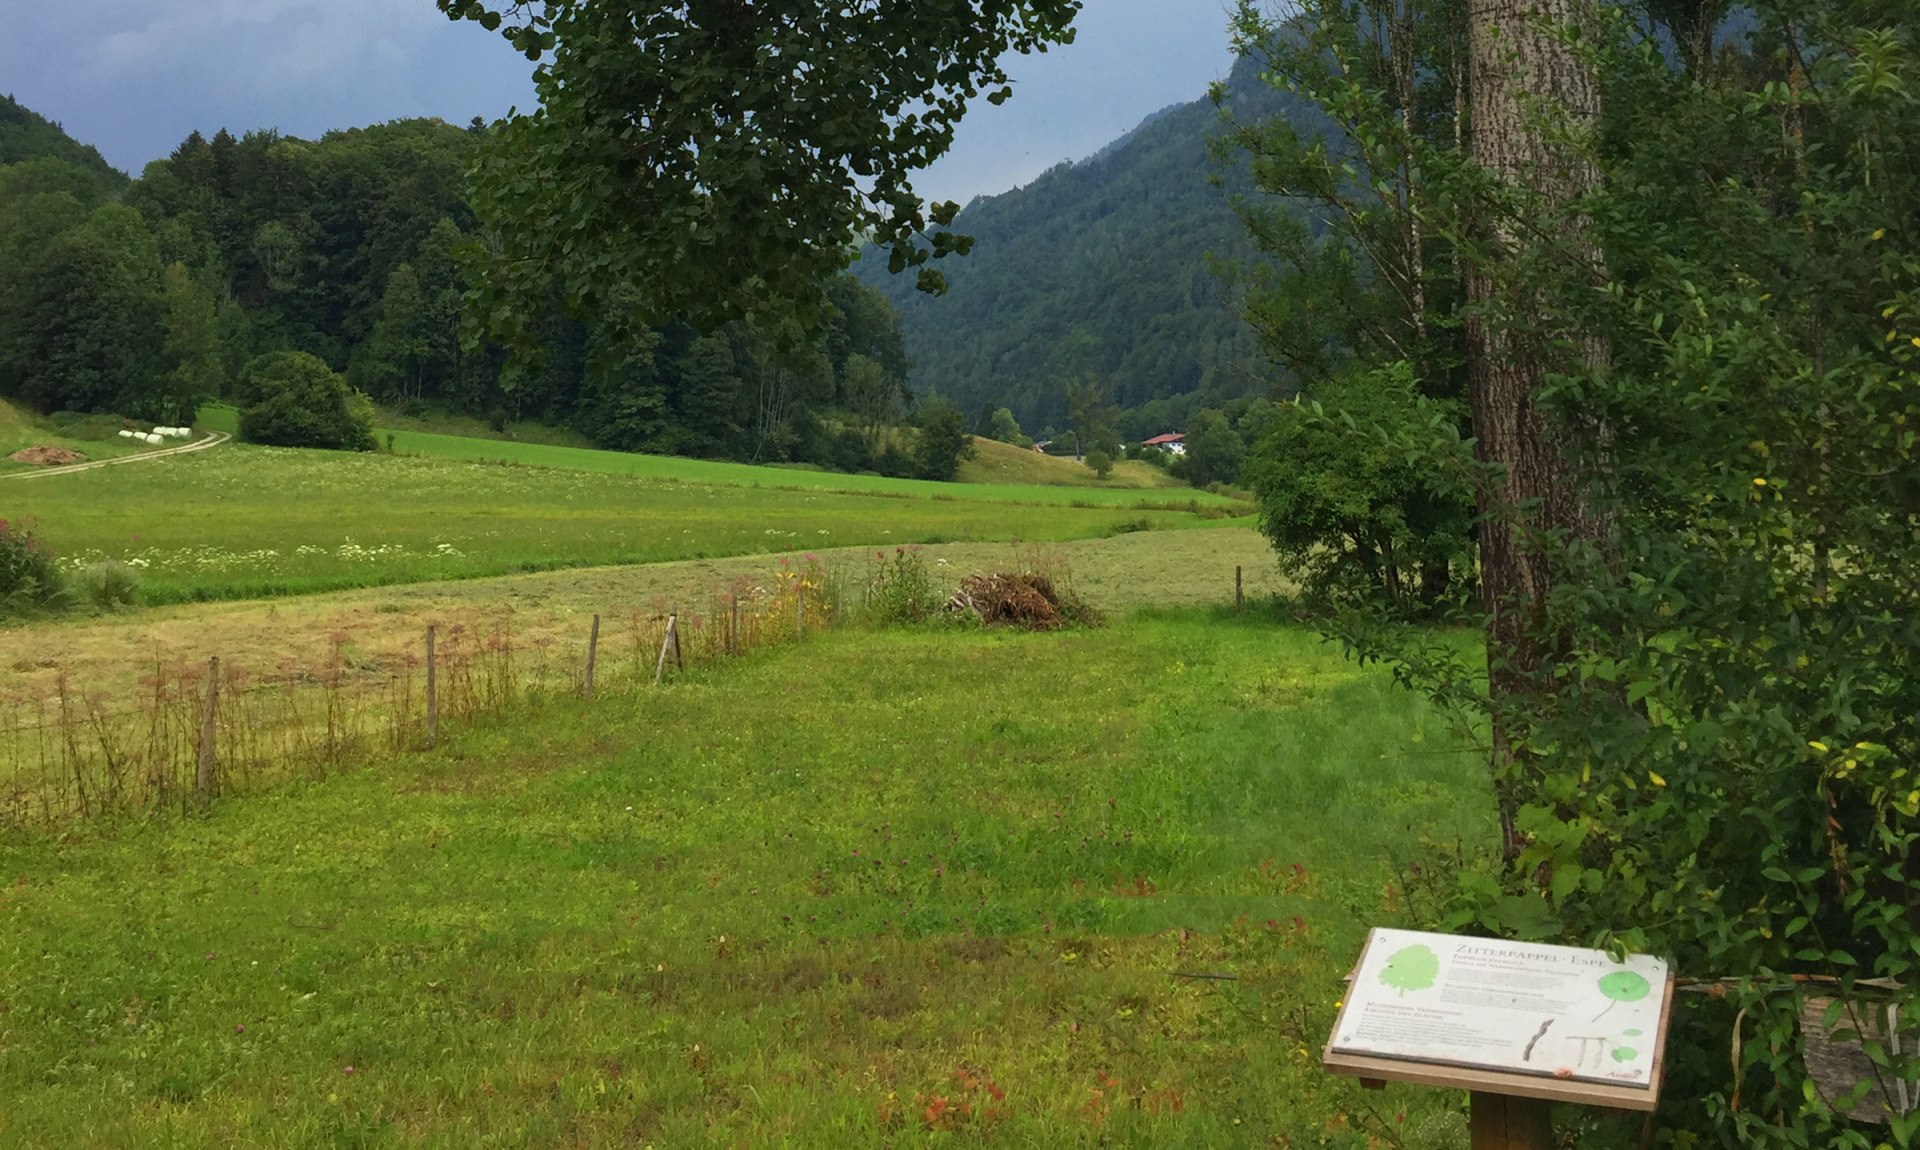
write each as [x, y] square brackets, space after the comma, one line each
[449, 423]
[1050, 487]
[1034, 480]
[1016, 472]
[241, 521]
[95, 438]
[930, 886]
[108, 656]
[908, 887]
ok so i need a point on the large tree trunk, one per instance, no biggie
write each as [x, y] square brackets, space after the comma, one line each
[1521, 73]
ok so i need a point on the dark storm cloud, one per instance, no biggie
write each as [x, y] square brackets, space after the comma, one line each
[133, 77]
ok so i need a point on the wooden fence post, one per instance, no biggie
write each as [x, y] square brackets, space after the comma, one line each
[666, 643]
[203, 774]
[593, 653]
[673, 632]
[1239, 595]
[733, 628]
[433, 694]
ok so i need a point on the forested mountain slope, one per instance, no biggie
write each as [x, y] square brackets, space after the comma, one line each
[27, 135]
[146, 299]
[1099, 267]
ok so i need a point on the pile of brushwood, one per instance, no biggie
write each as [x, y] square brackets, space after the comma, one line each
[1032, 602]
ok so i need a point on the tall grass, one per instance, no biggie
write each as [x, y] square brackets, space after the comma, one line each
[68, 752]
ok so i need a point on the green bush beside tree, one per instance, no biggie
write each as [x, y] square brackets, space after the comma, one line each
[292, 399]
[1367, 494]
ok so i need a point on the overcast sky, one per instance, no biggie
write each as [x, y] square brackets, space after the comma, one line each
[133, 77]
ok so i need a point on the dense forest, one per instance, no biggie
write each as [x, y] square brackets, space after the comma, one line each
[1100, 305]
[1114, 271]
[146, 298]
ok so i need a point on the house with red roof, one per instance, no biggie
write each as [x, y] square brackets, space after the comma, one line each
[1177, 444]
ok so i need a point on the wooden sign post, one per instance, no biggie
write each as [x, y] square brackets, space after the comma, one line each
[1519, 1025]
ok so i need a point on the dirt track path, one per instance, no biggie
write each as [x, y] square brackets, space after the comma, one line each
[213, 439]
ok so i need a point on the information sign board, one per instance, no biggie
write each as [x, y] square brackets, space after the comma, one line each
[1553, 1014]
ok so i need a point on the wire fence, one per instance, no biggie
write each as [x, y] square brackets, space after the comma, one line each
[203, 729]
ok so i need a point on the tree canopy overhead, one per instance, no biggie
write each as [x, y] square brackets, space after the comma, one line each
[723, 155]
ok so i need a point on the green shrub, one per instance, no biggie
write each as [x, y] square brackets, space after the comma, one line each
[30, 581]
[292, 399]
[1101, 463]
[943, 441]
[1367, 496]
[108, 585]
[900, 590]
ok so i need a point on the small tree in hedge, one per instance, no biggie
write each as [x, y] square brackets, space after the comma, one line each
[1006, 429]
[1101, 463]
[292, 399]
[1215, 452]
[943, 441]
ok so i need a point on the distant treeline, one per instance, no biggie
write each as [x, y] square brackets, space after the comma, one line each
[147, 298]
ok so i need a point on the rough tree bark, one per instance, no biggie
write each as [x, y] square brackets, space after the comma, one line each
[1523, 76]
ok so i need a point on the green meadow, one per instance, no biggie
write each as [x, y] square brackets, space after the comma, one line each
[903, 887]
[676, 469]
[925, 885]
[240, 521]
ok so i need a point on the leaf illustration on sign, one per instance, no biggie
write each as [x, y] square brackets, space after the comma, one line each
[1411, 968]
[1622, 986]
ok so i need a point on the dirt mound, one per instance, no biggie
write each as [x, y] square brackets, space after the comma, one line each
[49, 456]
[1019, 599]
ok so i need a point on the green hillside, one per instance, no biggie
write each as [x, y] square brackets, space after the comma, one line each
[1003, 463]
[1098, 267]
[27, 135]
